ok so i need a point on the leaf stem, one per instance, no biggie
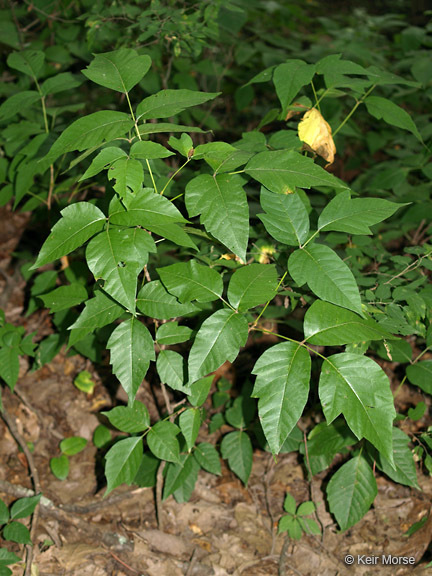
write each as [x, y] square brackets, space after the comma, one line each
[173, 176]
[315, 96]
[357, 104]
[311, 238]
[139, 137]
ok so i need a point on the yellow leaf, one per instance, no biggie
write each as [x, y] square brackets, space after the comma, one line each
[314, 131]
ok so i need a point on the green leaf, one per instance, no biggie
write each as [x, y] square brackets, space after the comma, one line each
[60, 466]
[282, 170]
[149, 150]
[154, 301]
[64, 297]
[343, 214]
[9, 365]
[7, 557]
[17, 532]
[162, 441]
[159, 128]
[84, 382]
[128, 174]
[24, 507]
[290, 504]
[4, 513]
[103, 160]
[306, 508]
[391, 113]
[99, 311]
[236, 447]
[73, 445]
[101, 436]
[405, 472]
[130, 419]
[199, 390]
[252, 285]
[131, 348]
[122, 462]
[119, 70]
[174, 233]
[19, 102]
[336, 70]
[289, 78]
[222, 157]
[171, 368]
[190, 423]
[117, 256]
[282, 386]
[30, 62]
[326, 275]
[358, 388]
[79, 222]
[290, 525]
[420, 375]
[171, 333]
[309, 526]
[60, 83]
[351, 491]
[145, 209]
[222, 204]
[208, 458]
[168, 103]
[286, 218]
[217, 341]
[181, 477]
[192, 281]
[89, 131]
[146, 477]
[329, 325]
[325, 441]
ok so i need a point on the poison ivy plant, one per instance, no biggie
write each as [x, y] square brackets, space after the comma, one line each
[178, 249]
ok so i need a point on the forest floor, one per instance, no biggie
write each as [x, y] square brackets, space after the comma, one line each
[225, 529]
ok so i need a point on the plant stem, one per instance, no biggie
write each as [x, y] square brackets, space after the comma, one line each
[357, 104]
[173, 176]
[311, 238]
[139, 137]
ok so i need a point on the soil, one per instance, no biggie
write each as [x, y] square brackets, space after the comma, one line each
[225, 528]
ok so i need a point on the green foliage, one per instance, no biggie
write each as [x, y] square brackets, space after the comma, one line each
[13, 531]
[182, 246]
[296, 521]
